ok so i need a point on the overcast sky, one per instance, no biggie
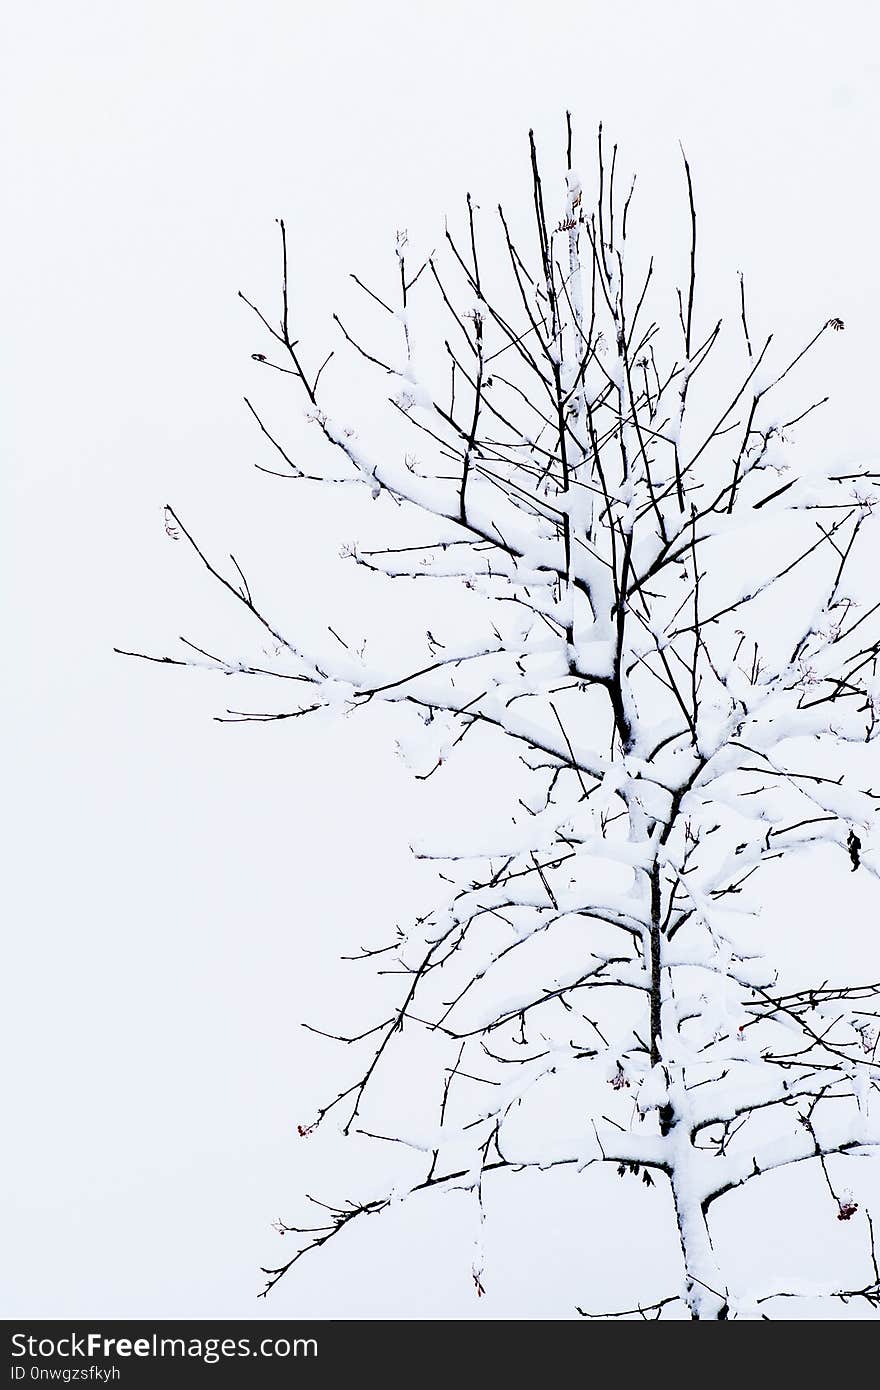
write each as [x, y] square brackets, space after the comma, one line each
[175, 888]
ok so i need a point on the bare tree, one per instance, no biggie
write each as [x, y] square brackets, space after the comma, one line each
[622, 502]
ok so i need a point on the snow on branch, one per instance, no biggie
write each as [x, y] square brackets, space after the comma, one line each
[620, 526]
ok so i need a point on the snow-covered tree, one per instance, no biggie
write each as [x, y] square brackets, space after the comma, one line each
[664, 637]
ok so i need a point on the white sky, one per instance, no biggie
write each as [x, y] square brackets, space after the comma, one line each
[175, 888]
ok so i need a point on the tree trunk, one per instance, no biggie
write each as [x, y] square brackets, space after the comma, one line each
[703, 1283]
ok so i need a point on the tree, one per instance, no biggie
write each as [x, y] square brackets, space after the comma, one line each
[587, 476]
